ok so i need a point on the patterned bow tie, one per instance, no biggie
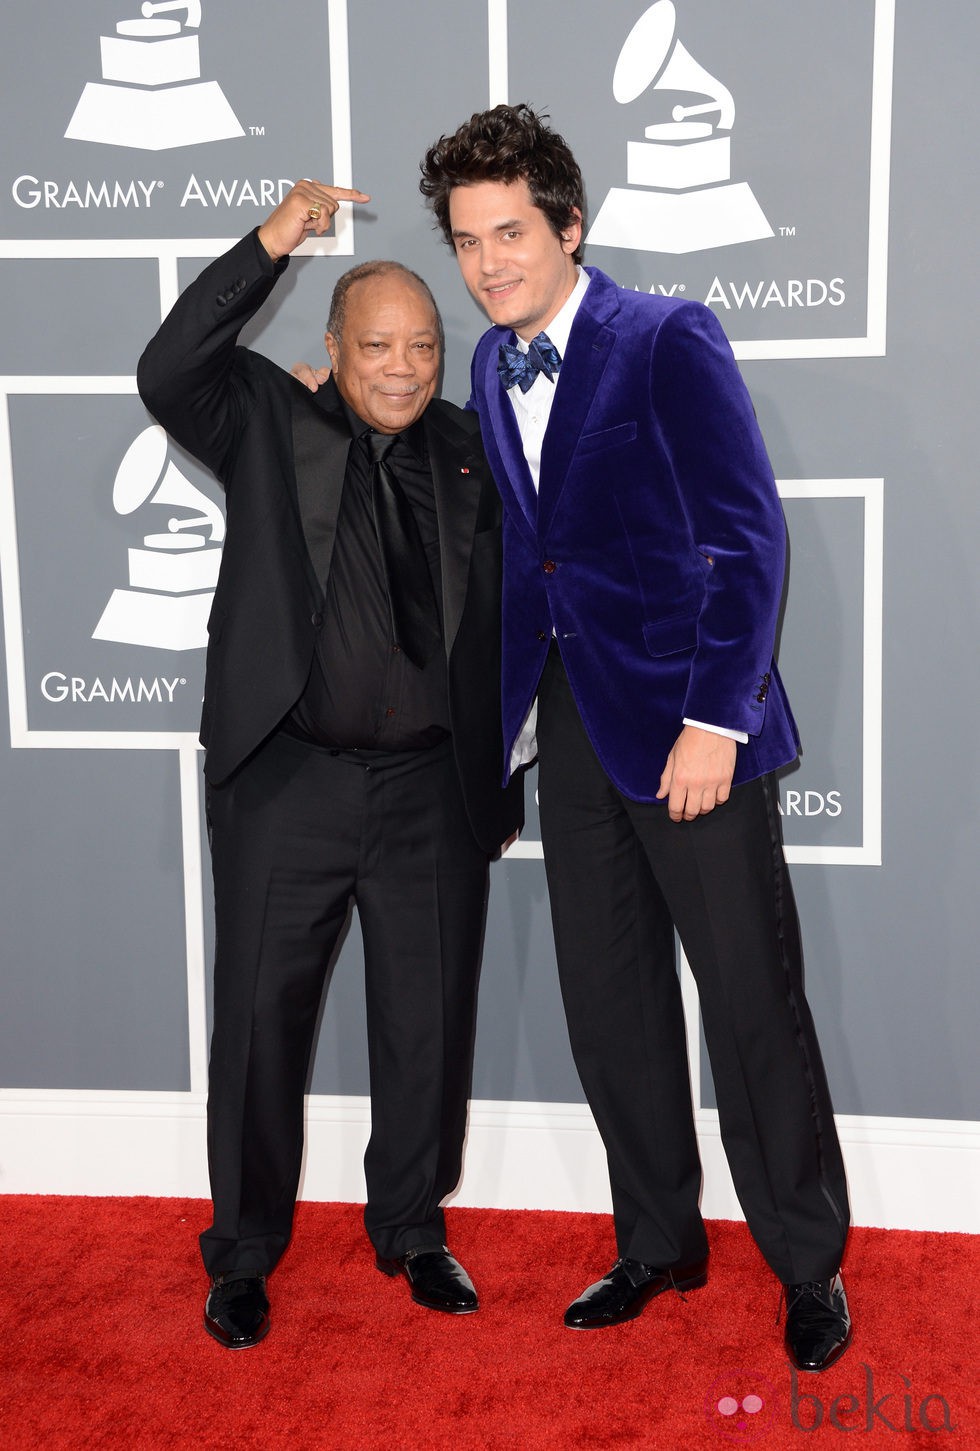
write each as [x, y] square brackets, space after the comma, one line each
[515, 366]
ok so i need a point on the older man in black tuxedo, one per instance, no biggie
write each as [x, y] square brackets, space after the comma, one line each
[353, 744]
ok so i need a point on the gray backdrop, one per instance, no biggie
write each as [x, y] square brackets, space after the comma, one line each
[853, 316]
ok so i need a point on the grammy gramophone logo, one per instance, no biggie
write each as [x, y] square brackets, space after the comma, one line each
[173, 575]
[680, 196]
[151, 95]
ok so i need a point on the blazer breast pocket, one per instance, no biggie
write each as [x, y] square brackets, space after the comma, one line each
[605, 439]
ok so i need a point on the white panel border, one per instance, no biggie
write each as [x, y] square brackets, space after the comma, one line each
[167, 250]
[21, 736]
[872, 345]
[872, 491]
[920, 1174]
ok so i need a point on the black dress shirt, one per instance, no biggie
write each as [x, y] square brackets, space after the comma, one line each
[363, 693]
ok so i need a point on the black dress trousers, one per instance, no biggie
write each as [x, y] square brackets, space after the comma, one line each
[297, 835]
[622, 876]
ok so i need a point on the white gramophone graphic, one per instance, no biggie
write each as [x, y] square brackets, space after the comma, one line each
[151, 94]
[172, 578]
[685, 200]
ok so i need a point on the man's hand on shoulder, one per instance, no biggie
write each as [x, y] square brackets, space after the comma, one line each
[307, 210]
[311, 377]
[698, 773]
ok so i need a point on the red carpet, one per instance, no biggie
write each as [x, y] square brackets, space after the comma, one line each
[102, 1343]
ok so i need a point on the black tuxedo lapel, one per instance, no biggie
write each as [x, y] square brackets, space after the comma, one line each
[321, 441]
[459, 471]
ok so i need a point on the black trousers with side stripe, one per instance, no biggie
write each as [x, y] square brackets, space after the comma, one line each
[622, 876]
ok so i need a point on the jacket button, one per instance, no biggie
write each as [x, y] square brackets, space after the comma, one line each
[316, 620]
[549, 566]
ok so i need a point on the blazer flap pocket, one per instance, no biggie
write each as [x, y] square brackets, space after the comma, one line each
[667, 637]
[616, 437]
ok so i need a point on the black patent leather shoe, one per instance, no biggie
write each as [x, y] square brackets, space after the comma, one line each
[818, 1323]
[438, 1280]
[237, 1311]
[629, 1285]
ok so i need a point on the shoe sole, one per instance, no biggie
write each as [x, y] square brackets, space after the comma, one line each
[236, 1344]
[695, 1282]
[445, 1309]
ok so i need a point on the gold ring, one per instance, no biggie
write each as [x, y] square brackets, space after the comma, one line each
[313, 213]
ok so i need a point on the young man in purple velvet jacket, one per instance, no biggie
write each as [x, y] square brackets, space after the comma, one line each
[643, 566]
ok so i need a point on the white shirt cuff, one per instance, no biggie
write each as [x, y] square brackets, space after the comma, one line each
[740, 736]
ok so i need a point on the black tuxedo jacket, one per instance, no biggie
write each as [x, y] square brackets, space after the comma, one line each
[274, 447]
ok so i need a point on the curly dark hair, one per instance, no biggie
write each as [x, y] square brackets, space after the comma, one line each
[509, 143]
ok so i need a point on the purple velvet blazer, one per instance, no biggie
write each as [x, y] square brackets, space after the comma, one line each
[656, 547]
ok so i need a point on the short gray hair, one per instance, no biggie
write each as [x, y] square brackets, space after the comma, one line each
[363, 272]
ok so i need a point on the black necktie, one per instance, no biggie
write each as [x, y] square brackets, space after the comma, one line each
[412, 600]
[516, 366]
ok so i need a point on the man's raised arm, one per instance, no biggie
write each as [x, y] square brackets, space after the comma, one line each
[186, 376]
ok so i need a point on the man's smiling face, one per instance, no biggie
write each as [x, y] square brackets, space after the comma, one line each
[514, 264]
[386, 364]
